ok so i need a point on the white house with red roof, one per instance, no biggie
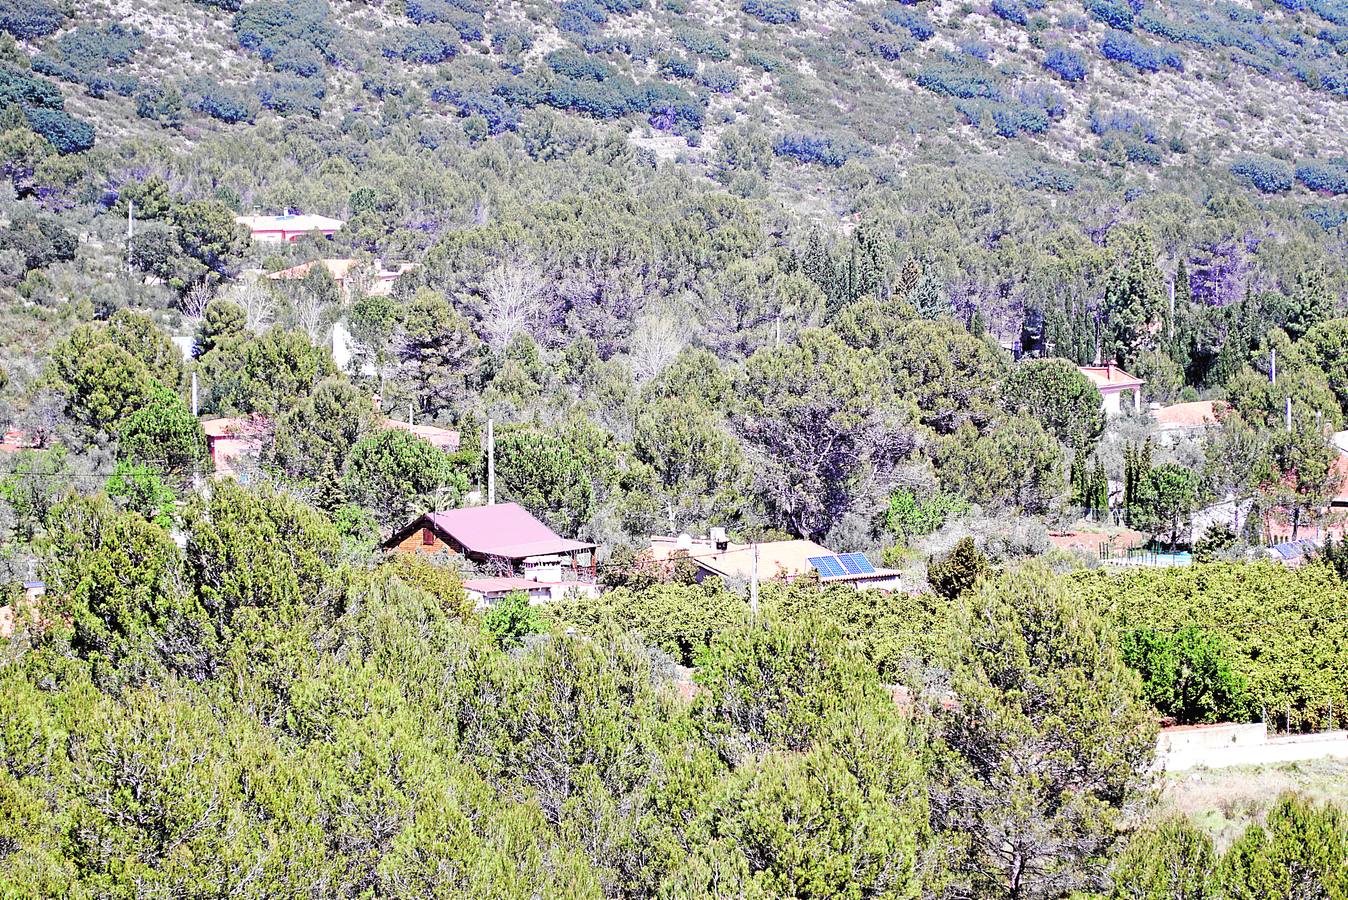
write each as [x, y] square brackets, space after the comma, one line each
[1116, 387]
[289, 227]
[235, 444]
[351, 277]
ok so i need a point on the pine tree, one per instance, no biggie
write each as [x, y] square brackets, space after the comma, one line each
[977, 325]
[1135, 299]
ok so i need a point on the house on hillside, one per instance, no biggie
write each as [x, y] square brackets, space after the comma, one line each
[351, 277]
[1115, 386]
[445, 439]
[1293, 553]
[234, 445]
[1232, 513]
[506, 542]
[1188, 418]
[289, 227]
[777, 560]
[16, 440]
[488, 591]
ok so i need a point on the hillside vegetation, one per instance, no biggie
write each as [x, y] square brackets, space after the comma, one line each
[789, 270]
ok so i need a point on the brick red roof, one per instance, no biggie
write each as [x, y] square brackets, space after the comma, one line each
[1188, 415]
[506, 530]
[1109, 378]
[445, 439]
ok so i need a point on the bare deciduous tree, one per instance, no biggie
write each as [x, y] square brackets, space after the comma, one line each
[257, 302]
[195, 300]
[513, 297]
[658, 339]
[311, 315]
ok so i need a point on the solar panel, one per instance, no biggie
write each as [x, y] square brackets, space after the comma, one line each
[828, 566]
[856, 564]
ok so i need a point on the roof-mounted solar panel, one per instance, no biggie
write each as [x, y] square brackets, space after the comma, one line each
[828, 566]
[856, 564]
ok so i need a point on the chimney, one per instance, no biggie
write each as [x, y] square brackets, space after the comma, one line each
[718, 537]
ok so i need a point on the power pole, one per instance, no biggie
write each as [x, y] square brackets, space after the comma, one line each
[1273, 365]
[753, 584]
[196, 407]
[1289, 413]
[409, 412]
[130, 232]
[1171, 329]
[491, 464]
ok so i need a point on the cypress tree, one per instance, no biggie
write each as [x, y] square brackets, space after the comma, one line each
[1080, 489]
[1100, 491]
[1135, 300]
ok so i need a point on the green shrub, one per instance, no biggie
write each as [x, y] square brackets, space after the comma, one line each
[293, 31]
[29, 20]
[721, 78]
[39, 239]
[163, 105]
[774, 12]
[1329, 179]
[1269, 176]
[1188, 675]
[26, 90]
[961, 79]
[428, 44]
[703, 43]
[225, 103]
[62, 130]
[1282, 630]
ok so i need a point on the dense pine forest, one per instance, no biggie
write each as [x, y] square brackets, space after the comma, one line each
[1035, 308]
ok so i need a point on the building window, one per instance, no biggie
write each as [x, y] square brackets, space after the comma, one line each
[427, 537]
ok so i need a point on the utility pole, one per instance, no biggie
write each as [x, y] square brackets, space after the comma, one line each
[1171, 329]
[196, 407]
[1289, 413]
[491, 463]
[753, 584]
[1273, 365]
[130, 232]
[409, 412]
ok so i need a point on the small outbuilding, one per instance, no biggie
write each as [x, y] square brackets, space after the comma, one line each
[1116, 386]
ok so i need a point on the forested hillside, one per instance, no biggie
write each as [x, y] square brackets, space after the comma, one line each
[877, 278]
[253, 715]
[605, 204]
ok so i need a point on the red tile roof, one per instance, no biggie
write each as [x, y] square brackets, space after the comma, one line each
[1188, 415]
[445, 439]
[506, 530]
[1110, 377]
[15, 440]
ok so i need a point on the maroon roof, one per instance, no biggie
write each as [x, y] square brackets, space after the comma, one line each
[506, 530]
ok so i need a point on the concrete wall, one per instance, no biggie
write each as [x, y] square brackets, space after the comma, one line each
[1186, 739]
[1219, 746]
